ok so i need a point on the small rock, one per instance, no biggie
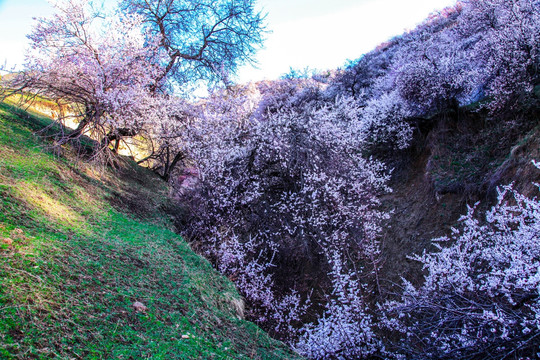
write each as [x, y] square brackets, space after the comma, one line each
[185, 336]
[139, 307]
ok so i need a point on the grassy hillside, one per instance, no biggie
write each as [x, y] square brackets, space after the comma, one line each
[79, 246]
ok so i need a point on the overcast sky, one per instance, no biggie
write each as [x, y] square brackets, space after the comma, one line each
[315, 34]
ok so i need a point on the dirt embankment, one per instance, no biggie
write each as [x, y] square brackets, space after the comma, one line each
[456, 160]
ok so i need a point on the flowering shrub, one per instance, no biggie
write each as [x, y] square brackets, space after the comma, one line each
[481, 292]
[247, 266]
[286, 175]
[345, 330]
[506, 47]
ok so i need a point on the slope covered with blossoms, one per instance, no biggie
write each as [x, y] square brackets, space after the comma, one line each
[290, 185]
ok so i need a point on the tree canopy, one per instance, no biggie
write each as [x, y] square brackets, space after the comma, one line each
[202, 39]
[122, 68]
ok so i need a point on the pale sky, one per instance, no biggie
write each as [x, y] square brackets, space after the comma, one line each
[315, 34]
[324, 34]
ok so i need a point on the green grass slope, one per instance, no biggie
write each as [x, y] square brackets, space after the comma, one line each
[79, 246]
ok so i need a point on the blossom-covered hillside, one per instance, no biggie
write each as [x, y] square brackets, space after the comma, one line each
[385, 210]
[314, 194]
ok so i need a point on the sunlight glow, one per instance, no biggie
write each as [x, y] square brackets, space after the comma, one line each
[37, 199]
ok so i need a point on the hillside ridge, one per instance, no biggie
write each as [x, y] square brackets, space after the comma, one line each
[90, 268]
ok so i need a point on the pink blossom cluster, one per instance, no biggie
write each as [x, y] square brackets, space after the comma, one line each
[103, 65]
